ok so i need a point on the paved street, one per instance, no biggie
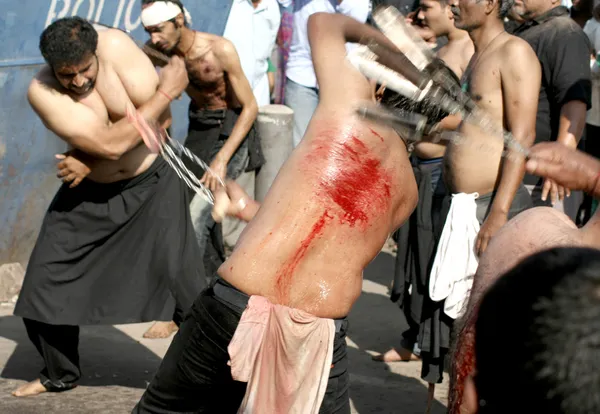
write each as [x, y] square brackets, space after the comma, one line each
[118, 363]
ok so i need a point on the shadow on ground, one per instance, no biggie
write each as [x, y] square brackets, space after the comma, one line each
[107, 356]
[376, 324]
[115, 371]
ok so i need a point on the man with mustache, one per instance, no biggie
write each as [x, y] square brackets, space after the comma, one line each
[118, 247]
[484, 188]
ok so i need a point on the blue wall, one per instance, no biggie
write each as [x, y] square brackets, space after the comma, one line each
[27, 164]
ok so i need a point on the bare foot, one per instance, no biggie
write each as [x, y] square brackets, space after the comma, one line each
[161, 330]
[31, 388]
[396, 356]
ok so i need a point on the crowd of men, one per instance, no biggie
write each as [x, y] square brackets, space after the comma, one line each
[492, 244]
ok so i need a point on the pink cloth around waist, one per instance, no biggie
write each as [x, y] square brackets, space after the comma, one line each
[284, 355]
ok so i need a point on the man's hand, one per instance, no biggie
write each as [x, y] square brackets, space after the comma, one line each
[173, 78]
[70, 169]
[557, 192]
[489, 228]
[229, 201]
[218, 167]
[565, 166]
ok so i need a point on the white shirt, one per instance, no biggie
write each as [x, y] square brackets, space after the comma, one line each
[299, 66]
[592, 30]
[253, 33]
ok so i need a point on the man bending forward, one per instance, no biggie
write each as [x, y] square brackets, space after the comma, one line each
[334, 203]
[119, 247]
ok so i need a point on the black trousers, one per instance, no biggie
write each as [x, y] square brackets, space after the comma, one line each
[59, 347]
[194, 376]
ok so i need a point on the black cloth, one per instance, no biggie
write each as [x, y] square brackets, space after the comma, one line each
[416, 242]
[208, 127]
[57, 344]
[564, 53]
[436, 326]
[123, 252]
[194, 376]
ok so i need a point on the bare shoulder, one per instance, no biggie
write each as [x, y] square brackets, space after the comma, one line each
[223, 48]
[115, 41]
[516, 51]
[44, 91]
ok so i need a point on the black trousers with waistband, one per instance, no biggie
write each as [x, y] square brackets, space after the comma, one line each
[194, 376]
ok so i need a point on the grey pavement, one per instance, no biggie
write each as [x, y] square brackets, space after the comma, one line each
[117, 363]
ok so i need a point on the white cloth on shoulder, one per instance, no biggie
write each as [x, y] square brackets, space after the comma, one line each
[456, 261]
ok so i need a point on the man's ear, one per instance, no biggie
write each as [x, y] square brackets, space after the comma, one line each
[491, 6]
[180, 19]
[470, 404]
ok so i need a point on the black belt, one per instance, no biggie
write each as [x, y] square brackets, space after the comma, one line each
[239, 300]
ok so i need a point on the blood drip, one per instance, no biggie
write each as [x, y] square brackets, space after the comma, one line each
[285, 273]
[464, 365]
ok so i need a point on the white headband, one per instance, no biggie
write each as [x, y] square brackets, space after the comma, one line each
[162, 11]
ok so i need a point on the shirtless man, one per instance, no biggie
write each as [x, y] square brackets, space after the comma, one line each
[327, 215]
[81, 270]
[222, 108]
[484, 189]
[221, 116]
[535, 230]
[416, 246]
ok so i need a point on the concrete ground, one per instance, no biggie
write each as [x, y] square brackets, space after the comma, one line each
[118, 363]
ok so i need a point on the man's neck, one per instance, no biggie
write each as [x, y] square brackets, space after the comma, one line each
[186, 42]
[456, 34]
[485, 34]
[544, 10]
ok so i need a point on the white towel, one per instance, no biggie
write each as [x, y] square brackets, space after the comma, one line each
[456, 261]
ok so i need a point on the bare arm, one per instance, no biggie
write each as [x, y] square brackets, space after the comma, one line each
[568, 167]
[572, 122]
[228, 56]
[338, 80]
[520, 93]
[82, 128]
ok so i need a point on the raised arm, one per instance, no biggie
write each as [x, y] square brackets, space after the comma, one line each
[520, 93]
[328, 33]
[80, 127]
[228, 56]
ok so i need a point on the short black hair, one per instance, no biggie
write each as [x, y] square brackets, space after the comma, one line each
[68, 41]
[537, 336]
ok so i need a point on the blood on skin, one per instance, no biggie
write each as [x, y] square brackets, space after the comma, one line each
[355, 181]
[464, 365]
[376, 134]
[285, 274]
[358, 185]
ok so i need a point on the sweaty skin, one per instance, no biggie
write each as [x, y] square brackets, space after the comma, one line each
[343, 190]
[509, 94]
[125, 77]
[530, 232]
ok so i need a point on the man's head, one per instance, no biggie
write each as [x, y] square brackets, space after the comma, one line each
[69, 47]
[164, 21]
[537, 337]
[437, 16]
[529, 9]
[473, 14]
